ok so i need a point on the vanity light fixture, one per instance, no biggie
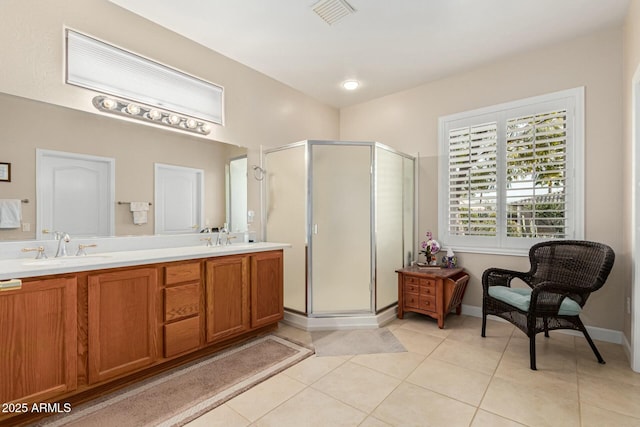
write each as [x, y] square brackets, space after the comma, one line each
[350, 84]
[149, 114]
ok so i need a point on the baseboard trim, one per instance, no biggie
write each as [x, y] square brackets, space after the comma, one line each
[364, 321]
[600, 334]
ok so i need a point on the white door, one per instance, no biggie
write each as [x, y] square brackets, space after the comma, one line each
[178, 199]
[75, 194]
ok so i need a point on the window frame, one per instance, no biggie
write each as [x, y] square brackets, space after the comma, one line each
[572, 100]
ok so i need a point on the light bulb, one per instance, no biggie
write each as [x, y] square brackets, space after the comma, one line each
[133, 109]
[351, 84]
[173, 119]
[109, 103]
[154, 114]
[191, 123]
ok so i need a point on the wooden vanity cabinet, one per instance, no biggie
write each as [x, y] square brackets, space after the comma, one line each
[227, 296]
[267, 305]
[122, 321]
[38, 340]
[182, 313]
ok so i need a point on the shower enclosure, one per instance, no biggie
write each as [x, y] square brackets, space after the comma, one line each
[347, 208]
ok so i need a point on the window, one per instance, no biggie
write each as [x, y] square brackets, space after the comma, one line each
[512, 174]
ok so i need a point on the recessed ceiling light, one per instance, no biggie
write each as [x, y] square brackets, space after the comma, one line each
[351, 84]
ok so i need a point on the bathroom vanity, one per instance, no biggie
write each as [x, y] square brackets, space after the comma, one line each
[78, 328]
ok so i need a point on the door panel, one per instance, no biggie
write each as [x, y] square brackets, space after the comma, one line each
[178, 199]
[75, 194]
[341, 234]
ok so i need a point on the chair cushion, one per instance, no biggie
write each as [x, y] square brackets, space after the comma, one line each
[520, 298]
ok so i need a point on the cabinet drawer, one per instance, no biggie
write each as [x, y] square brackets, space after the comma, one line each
[411, 300]
[428, 290]
[181, 301]
[412, 287]
[181, 336]
[410, 280]
[427, 302]
[427, 283]
[181, 273]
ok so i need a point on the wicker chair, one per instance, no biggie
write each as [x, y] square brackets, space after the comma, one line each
[563, 274]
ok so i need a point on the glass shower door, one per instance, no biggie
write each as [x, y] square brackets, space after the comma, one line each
[340, 228]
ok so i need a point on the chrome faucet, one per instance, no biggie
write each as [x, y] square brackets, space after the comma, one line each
[63, 238]
[222, 232]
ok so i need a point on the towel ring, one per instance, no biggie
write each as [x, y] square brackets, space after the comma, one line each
[258, 172]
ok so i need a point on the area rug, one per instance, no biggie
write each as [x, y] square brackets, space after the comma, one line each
[355, 341]
[185, 393]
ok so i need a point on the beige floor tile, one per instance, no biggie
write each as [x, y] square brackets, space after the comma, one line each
[411, 405]
[417, 342]
[545, 378]
[613, 370]
[612, 395]
[427, 325]
[222, 416]
[495, 328]
[398, 365]
[257, 401]
[592, 416]
[454, 381]
[311, 408]
[373, 422]
[356, 385]
[531, 406]
[294, 334]
[609, 351]
[487, 419]
[467, 356]
[556, 353]
[313, 368]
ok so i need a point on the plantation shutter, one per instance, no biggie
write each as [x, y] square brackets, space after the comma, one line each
[536, 174]
[472, 203]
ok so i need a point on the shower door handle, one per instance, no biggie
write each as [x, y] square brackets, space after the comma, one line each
[315, 228]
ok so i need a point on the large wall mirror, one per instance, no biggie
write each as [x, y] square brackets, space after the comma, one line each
[135, 149]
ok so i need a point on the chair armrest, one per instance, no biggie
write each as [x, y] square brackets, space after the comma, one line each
[502, 277]
[546, 297]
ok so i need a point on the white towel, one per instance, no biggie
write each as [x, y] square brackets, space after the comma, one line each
[10, 213]
[139, 210]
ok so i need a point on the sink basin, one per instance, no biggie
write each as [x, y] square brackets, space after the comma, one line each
[71, 260]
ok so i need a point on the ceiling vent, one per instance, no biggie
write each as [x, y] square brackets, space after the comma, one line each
[331, 11]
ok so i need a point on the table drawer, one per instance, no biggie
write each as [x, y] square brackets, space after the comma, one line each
[427, 283]
[181, 336]
[411, 300]
[181, 301]
[427, 302]
[412, 287]
[410, 280]
[428, 290]
[180, 273]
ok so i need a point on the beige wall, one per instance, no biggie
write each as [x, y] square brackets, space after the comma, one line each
[631, 45]
[408, 121]
[258, 110]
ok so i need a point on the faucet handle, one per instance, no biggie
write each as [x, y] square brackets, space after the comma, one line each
[208, 240]
[82, 247]
[41, 254]
[229, 237]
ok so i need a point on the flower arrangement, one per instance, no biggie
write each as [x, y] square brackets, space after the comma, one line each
[430, 247]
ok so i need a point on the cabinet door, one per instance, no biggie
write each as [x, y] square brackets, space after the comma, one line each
[266, 288]
[227, 294]
[122, 322]
[38, 340]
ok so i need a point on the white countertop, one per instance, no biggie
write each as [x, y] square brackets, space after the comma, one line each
[22, 268]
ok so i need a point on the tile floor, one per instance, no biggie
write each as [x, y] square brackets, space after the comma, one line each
[447, 377]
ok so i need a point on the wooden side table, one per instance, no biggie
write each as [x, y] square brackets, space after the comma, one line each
[429, 291]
